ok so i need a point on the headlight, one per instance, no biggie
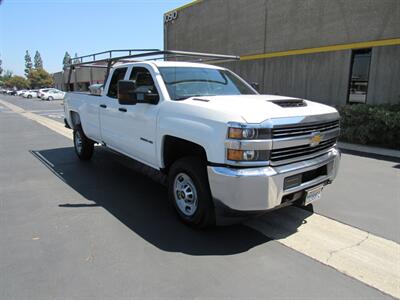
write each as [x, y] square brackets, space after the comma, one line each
[249, 133]
[248, 143]
[247, 155]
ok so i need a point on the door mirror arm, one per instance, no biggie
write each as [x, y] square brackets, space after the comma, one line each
[151, 98]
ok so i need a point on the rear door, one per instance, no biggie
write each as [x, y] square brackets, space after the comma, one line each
[110, 116]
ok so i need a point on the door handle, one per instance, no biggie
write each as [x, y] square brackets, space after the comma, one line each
[103, 105]
[122, 109]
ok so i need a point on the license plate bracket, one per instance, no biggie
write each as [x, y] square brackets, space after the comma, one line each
[313, 194]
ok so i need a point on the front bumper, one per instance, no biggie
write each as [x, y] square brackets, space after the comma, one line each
[262, 189]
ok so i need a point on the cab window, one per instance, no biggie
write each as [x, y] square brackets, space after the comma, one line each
[118, 75]
[144, 83]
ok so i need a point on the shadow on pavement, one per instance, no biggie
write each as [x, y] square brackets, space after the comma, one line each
[371, 155]
[141, 204]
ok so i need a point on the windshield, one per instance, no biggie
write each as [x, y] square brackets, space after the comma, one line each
[186, 82]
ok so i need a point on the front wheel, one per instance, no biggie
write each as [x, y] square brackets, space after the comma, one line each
[83, 146]
[29, 96]
[50, 98]
[189, 192]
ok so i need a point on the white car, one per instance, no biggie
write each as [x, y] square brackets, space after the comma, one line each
[30, 94]
[226, 150]
[21, 92]
[53, 95]
[41, 92]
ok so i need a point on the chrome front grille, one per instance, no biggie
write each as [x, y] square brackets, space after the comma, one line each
[295, 142]
[298, 130]
[300, 151]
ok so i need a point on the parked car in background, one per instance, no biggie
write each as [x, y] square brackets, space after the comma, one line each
[53, 94]
[30, 94]
[42, 91]
[21, 92]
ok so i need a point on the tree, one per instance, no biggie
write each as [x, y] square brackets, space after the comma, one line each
[28, 63]
[17, 81]
[39, 78]
[38, 61]
[7, 75]
[66, 60]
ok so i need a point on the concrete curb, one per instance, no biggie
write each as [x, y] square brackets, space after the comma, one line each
[370, 150]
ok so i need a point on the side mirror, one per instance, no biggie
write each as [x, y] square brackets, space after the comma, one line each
[256, 86]
[126, 92]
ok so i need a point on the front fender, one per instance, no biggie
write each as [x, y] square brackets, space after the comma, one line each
[208, 134]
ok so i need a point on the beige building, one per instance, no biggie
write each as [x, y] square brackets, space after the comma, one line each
[331, 51]
[81, 78]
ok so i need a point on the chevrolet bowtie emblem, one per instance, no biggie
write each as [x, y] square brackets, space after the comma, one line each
[315, 139]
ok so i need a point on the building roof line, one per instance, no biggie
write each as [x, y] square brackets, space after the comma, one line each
[359, 45]
[184, 6]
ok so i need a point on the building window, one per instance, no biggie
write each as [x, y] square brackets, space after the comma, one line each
[359, 75]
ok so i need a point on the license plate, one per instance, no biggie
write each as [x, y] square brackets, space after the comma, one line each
[313, 195]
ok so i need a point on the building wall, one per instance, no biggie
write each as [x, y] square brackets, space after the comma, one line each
[248, 27]
[58, 80]
[384, 84]
[81, 78]
[321, 77]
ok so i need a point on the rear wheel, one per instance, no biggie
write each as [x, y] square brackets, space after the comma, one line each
[29, 96]
[50, 98]
[189, 192]
[83, 146]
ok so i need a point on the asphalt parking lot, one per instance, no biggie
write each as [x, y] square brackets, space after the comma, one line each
[101, 230]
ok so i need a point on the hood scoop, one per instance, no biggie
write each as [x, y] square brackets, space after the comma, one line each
[289, 102]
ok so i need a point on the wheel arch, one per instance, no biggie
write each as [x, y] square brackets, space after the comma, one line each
[75, 119]
[174, 148]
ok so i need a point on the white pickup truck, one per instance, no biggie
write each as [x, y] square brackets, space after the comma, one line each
[227, 151]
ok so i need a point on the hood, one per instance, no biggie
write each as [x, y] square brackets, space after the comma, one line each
[258, 108]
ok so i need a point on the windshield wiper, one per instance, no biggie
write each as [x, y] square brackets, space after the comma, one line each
[191, 96]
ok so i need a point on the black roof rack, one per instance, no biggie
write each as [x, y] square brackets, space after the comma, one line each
[107, 59]
[101, 59]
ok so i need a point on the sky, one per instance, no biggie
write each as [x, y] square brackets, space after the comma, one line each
[77, 26]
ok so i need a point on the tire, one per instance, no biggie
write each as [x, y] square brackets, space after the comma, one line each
[50, 98]
[189, 192]
[83, 146]
[29, 96]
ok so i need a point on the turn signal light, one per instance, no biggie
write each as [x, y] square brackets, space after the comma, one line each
[235, 133]
[235, 154]
[247, 155]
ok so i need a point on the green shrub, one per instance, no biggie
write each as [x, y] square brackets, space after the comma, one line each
[376, 125]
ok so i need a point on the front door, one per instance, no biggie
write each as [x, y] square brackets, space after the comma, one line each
[140, 120]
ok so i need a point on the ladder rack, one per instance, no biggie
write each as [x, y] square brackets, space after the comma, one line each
[107, 59]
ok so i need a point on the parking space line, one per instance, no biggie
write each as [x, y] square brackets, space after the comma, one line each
[51, 124]
[370, 259]
[354, 252]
